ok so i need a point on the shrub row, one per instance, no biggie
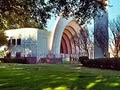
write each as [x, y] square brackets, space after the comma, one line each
[103, 63]
[13, 60]
[51, 60]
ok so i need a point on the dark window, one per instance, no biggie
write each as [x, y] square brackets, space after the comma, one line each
[8, 55]
[18, 41]
[18, 54]
[13, 41]
[9, 42]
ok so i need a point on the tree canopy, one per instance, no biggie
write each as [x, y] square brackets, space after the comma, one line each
[32, 13]
[14, 15]
[3, 37]
[81, 10]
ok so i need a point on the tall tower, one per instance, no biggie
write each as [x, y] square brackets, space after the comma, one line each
[101, 35]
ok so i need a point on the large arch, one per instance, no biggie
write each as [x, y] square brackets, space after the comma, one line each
[72, 33]
[62, 37]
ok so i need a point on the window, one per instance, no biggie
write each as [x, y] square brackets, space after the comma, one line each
[9, 42]
[18, 54]
[8, 54]
[13, 41]
[18, 41]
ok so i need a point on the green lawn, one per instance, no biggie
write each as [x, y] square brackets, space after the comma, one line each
[56, 77]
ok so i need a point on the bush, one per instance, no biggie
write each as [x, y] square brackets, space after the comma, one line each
[103, 63]
[83, 60]
[13, 60]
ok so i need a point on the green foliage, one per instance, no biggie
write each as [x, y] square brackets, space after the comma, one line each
[81, 10]
[1, 54]
[3, 38]
[103, 63]
[14, 14]
[17, 18]
[13, 60]
[56, 77]
[34, 13]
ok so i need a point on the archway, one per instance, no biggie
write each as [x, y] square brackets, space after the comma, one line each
[67, 41]
[62, 37]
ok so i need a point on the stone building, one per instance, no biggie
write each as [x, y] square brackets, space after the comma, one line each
[36, 44]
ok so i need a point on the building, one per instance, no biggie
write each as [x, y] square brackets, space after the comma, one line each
[28, 42]
[36, 43]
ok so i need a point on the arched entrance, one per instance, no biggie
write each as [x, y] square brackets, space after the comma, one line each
[62, 37]
[67, 41]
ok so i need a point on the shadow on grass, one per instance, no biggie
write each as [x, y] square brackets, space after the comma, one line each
[56, 77]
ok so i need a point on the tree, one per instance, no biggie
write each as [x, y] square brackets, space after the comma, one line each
[22, 13]
[86, 41]
[41, 10]
[115, 36]
[14, 15]
[82, 41]
[3, 38]
[81, 10]
[12, 20]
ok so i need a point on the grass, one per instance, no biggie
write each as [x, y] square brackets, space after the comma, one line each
[56, 77]
[1, 54]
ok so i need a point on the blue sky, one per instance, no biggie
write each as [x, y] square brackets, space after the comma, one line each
[113, 12]
[50, 24]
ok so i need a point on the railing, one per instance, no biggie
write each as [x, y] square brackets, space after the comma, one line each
[58, 58]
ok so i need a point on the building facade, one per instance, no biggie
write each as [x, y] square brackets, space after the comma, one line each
[36, 43]
[28, 42]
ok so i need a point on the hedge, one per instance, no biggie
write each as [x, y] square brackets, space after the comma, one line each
[103, 63]
[13, 60]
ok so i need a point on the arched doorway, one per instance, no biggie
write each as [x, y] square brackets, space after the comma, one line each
[62, 36]
[67, 41]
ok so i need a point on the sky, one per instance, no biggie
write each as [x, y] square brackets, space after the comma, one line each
[50, 23]
[113, 12]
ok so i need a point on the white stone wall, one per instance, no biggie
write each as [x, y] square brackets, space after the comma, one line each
[28, 38]
[34, 42]
[43, 43]
[62, 23]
